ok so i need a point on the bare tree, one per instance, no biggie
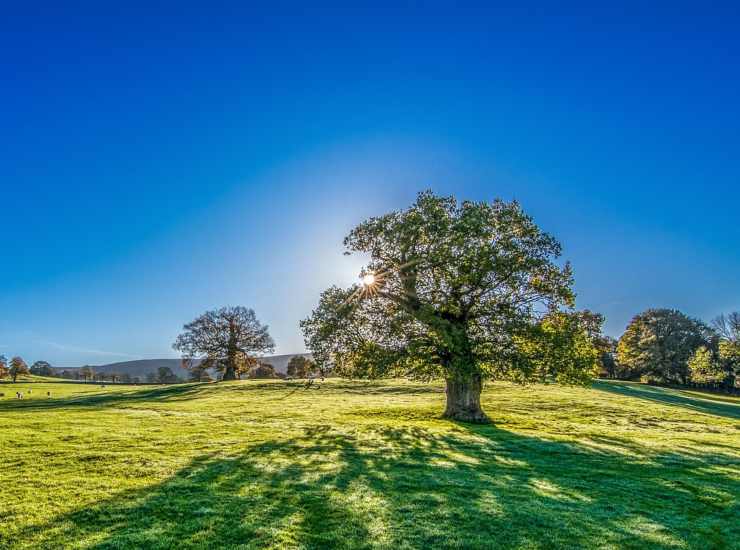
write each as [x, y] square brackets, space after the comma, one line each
[224, 339]
[728, 326]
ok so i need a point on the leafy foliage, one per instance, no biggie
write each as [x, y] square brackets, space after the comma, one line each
[456, 290]
[704, 366]
[728, 346]
[659, 342]
[17, 366]
[42, 368]
[262, 371]
[558, 348]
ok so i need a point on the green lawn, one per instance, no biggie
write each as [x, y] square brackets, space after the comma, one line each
[366, 465]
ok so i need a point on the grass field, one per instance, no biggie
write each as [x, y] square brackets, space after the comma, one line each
[366, 465]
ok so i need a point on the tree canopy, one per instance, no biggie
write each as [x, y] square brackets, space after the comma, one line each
[658, 344]
[464, 291]
[42, 368]
[17, 366]
[224, 339]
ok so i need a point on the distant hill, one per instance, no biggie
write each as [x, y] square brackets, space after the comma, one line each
[142, 367]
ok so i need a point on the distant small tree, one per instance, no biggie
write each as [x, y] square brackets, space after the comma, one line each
[659, 342]
[17, 366]
[300, 367]
[199, 373]
[42, 368]
[3, 366]
[87, 373]
[221, 339]
[151, 378]
[125, 378]
[166, 376]
[263, 370]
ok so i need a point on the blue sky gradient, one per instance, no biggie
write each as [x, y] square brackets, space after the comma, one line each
[156, 162]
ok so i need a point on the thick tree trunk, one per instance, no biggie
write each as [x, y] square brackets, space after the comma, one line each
[463, 400]
[231, 351]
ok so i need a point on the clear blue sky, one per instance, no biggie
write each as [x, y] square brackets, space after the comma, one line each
[157, 162]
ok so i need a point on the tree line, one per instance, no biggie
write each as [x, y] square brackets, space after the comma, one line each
[667, 346]
[246, 367]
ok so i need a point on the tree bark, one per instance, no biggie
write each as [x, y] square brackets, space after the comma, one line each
[231, 352]
[463, 400]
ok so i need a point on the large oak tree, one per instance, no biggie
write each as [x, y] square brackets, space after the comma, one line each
[464, 291]
[224, 339]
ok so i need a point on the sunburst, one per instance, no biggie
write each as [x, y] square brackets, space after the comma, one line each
[371, 283]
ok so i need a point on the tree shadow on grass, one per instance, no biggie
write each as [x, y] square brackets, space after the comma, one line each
[183, 392]
[391, 487]
[361, 387]
[670, 396]
[175, 392]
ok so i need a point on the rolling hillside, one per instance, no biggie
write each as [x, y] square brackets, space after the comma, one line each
[142, 367]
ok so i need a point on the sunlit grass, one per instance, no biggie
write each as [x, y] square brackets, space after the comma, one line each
[366, 465]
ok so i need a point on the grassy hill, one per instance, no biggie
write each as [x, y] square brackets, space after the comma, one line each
[366, 465]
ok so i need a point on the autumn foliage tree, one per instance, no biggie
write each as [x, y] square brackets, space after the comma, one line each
[225, 339]
[464, 291]
[3, 366]
[17, 366]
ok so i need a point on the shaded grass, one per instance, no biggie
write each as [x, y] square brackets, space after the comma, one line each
[366, 465]
[697, 401]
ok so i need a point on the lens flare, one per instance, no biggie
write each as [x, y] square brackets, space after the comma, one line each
[368, 279]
